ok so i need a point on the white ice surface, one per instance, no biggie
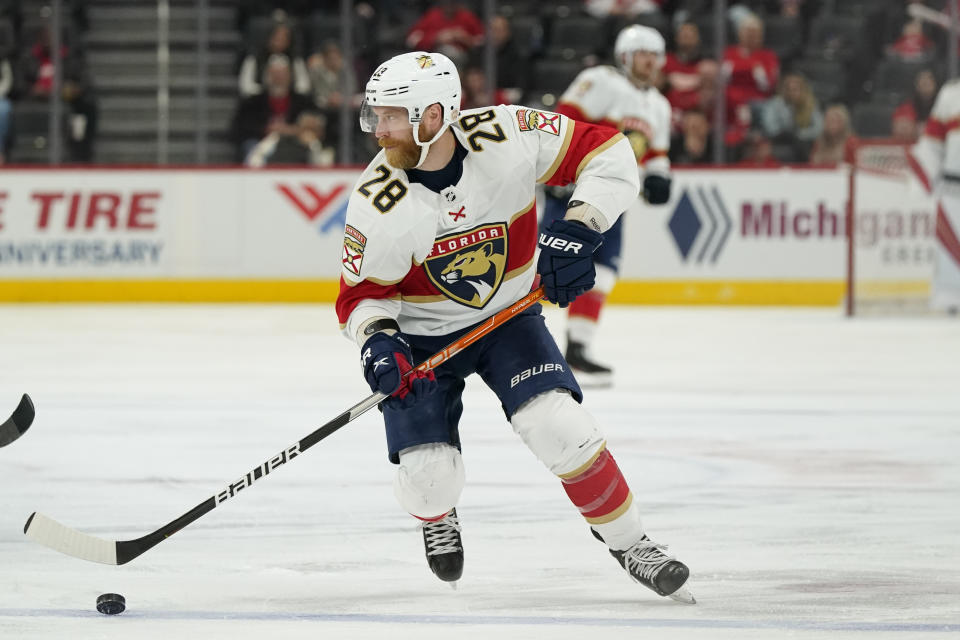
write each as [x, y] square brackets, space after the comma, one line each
[803, 465]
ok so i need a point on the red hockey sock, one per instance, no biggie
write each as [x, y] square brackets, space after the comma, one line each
[598, 489]
[588, 305]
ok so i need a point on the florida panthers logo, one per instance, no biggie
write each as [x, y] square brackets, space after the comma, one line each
[468, 267]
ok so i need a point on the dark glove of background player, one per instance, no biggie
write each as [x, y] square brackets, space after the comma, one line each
[656, 189]
[566, 260]
[386, 359]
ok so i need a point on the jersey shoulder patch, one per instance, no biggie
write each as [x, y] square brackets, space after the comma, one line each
[535, 120]
[354, 243]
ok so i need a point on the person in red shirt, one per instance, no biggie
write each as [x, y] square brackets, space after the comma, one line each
[752, 71]
[449, 28]
[682, 69]
[918, 107]
[913, 44]
[39, 64]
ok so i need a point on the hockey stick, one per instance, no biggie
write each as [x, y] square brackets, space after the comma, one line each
[51, 533]
[18, 423]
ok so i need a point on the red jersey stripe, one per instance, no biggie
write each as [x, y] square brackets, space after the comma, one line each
[586, 142]
[574, 112]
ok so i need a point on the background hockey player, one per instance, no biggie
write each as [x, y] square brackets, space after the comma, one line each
[626, 100]
[441, 233]
[938, 153]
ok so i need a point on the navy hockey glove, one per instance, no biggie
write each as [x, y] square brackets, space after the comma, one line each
[656, 189]
[566, 260]
[385, 360]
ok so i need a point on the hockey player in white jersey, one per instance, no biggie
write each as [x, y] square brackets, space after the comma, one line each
[441, 232]
[625, 99]
[938, 154]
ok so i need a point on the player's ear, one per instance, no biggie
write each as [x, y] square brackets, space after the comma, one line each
[435, 113]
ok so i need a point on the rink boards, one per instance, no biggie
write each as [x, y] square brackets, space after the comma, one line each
[732, 235]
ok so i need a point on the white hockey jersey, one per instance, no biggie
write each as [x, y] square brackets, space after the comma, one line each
[938, 149]
[602, 95]
[439, 262]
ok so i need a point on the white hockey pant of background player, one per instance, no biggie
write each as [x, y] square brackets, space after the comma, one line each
[946, 278]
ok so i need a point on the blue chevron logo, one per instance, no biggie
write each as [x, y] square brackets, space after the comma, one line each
[700, 210]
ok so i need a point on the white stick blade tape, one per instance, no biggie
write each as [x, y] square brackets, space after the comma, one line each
[51, 533]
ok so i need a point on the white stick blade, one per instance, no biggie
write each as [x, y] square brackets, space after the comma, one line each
[51, 533]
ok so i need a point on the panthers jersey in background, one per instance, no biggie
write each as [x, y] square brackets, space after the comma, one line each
[938, 156]
[604, 96]
[439, 262]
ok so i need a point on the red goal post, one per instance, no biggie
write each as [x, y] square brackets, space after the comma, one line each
[891, 224]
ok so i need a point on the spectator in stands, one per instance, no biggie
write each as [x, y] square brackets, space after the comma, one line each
[274, 110]
[279, 44]
[792, 119]
[328, 77]
[512, 68]
[477, 92]
[682, 69]
[758, 152]
[912, 45]
[694, 143]
[835, 142]
[37, 65]
[917, 108]
[81, 114]
[449, 28]
[751, 70]
[903, 128]
[628, 8]
[301, 146]
[6, 105]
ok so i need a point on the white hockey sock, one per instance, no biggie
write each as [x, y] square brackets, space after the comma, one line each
[581, 329]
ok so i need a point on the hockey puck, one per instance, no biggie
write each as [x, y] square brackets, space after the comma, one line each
[111, 604]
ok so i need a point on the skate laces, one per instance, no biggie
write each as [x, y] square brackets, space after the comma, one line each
[645, 559]
[442, 536]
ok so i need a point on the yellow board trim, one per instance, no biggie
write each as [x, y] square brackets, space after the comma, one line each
[668, 292]
[169, 290]
[734, 292]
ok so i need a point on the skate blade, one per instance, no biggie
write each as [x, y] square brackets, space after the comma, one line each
[454, 584]
[683, 595]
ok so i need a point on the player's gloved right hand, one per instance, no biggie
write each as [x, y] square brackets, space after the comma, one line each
[566, 260]
[386, 359]
[656, 189]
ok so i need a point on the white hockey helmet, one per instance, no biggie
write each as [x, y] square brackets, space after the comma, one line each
[414, 81]
[637, 37]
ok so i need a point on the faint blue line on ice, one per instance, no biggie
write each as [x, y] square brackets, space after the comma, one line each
[257, 616]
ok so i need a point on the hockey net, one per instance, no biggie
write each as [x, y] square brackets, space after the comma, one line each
[891, 221]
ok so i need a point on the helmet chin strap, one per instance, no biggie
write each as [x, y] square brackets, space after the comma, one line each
[425, 146]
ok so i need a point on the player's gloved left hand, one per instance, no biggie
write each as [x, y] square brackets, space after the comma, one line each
[656, 189]
[386, 359]
[566, 260]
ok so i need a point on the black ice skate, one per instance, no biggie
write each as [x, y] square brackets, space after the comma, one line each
[444, 547]
[646, 563]
[588, 372]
